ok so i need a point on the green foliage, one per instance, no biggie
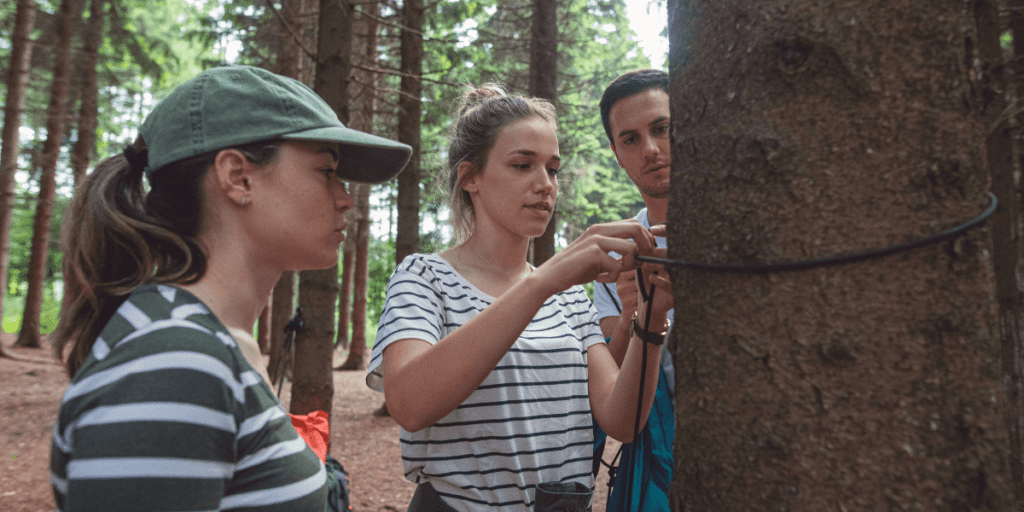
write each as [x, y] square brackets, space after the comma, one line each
[149, 48]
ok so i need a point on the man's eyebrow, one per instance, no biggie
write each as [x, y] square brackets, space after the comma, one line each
[652, 124]
[529, 152]
[657, 121]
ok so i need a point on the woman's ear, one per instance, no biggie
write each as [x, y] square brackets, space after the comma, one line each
[232, 172]
[467, 177]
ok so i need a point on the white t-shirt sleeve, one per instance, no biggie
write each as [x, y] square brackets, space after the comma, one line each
[413, 308]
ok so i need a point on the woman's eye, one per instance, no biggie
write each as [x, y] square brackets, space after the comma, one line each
[521, 166]
[552, 170]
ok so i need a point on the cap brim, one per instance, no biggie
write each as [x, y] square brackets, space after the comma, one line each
[365, 158]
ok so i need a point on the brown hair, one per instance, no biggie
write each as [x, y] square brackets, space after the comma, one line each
[116, 236]
[483, 112]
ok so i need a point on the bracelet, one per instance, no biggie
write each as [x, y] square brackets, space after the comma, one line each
[654, 338]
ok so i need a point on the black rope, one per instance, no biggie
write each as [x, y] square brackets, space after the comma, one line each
[784, 266]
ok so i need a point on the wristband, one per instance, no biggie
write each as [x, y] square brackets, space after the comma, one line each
[654, 338]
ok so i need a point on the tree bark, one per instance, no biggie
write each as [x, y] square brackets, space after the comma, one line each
[17, 79]
[407, 240]
[364, 101]
[88, 113]
[281, 310]
[264, 326]
[345, 289]
[1005, 228]
[69, 14]
[294, 63]
[807, 130]
[313, 385]
[544, 84]
[360, 276]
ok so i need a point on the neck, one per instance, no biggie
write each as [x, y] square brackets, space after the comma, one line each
[507, 256]
[235, 293]
[657, 209]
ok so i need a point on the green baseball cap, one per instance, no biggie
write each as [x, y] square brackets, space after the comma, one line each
[228, 106]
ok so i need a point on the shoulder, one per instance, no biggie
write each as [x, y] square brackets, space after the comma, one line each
[163, 324]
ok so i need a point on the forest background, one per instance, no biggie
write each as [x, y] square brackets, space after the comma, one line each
[122, 57]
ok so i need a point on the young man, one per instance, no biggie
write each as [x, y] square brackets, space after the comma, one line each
[635, 114]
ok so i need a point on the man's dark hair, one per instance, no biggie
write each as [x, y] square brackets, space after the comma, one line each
[626, 85]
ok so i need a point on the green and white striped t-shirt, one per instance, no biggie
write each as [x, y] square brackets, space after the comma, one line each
[166, 414]
[529, 422]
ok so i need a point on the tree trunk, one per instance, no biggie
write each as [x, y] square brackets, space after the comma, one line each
[357, 353]
[68, 16]
[807, 130]
[364, 101]
[82, 151]
[313, 386]
[281, 310]
[1005, 229]
[407, 240]
[264, 326]
[17, 79]
[544, 84]
[294, 63]
[345, 289]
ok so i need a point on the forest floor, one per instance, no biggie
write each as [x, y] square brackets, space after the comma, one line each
[33, 383]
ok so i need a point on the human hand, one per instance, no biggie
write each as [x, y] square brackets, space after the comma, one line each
[625, 287]
[587, 258]
[661, 302]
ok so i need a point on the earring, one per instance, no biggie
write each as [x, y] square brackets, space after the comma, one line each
[243, 200]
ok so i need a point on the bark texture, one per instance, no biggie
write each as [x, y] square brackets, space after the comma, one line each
[808, 129]
[407, 240]
[281, 310]
[1005, 227]
[364, 101]
[313, 387]
[360, 276]
[69, 15]
[544, 84]
[17, 79]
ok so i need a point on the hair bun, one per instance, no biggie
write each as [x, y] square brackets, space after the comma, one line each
[474, 96]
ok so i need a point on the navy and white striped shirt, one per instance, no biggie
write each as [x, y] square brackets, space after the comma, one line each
[529, 421]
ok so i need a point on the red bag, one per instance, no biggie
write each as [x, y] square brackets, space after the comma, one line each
[315, 429]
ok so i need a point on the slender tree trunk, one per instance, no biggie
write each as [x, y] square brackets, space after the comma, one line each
[294, 63]
[88, 112]
[364, 101]
[313, 386]
[407, 240]
[68, 16]
[281, 310]
[357, 352]
[544, 84]
[264, 326]
[800, 131]
[17, 79]
[1005, 229]
[345, 288]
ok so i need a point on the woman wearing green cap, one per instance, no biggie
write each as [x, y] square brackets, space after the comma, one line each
[163, 411]
[495, 370]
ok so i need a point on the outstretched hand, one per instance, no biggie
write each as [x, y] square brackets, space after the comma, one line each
[587, 258]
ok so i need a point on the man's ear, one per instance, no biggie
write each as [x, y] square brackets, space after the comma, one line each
[232, 172]
[616, 153]
[468, 178]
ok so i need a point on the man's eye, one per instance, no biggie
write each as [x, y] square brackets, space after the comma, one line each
[661, 129]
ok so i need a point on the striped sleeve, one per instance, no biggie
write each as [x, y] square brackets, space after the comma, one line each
[413, 308]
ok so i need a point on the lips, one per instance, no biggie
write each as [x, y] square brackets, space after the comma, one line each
[540, 205]
[657, 168]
